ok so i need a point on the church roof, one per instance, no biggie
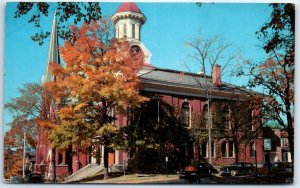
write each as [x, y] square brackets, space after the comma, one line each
[128, 6]
[189, 82]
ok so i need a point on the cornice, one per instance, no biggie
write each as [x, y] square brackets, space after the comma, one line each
[124, 15]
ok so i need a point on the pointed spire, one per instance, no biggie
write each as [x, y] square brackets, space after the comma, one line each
[53, 52]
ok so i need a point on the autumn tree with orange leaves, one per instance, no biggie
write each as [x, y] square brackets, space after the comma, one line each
[99, 78]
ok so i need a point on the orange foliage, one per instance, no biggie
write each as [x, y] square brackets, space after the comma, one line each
[98, 75]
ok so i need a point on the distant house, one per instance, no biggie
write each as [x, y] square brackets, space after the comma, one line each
[177, 88]
[280, 145]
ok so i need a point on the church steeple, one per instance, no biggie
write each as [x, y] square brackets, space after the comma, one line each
[53, 52]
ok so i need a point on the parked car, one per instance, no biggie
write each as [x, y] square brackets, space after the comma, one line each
[34, 178]
[206, 169]
[281, 172]
[190, 174]
[16, 179]
[197, 170]
[238, 168]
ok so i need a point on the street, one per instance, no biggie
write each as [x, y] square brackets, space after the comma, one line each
[246, 179]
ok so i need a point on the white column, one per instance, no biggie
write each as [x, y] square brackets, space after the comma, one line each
[117, 30]
[93, 159]
[128, 30]
[117, 157]
[120, 26]
[102, 154]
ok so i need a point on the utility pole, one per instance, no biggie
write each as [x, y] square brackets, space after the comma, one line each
[24, 155]
[209, 131]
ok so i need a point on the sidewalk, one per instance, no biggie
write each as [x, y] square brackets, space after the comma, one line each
[138, 178]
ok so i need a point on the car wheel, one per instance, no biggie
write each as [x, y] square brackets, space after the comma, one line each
[232, 173]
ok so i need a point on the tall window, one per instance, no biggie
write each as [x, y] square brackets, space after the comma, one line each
[212, 149]
[133, 30]
[230, 149]
[124, 30]
[185, 110]
[204, 124]
[224, 149]
[284, 142]
[205, 149]
[60, 157]
[252, 149]
[226, 115]
[139, 33]
[227, 149]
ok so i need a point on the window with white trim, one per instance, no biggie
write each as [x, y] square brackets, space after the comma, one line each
[228, 149]
[284, 142]
[186, 113]
[205, 149]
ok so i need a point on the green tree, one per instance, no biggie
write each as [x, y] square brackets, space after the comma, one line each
[155, 132]
[277, 73]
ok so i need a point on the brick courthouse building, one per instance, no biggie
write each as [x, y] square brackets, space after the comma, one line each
[182, 89]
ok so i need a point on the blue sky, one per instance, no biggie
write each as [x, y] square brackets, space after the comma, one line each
[168, 27]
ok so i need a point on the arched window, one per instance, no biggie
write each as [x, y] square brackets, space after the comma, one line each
[226, 115]
[185, 113]
[133, 30]
[124, 30]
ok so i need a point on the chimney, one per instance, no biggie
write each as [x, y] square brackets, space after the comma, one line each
[216, 75]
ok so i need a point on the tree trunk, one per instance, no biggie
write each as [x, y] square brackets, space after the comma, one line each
[106, 152]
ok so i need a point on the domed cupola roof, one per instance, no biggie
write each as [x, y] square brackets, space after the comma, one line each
[128, 6]
[128, 10]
